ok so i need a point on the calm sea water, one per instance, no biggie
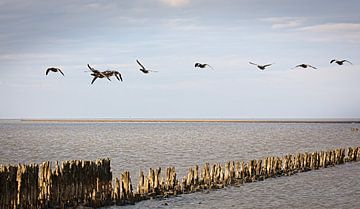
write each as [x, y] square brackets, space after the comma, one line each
[135, 146]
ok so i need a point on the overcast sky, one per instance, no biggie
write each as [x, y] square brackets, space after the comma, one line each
[170, 36]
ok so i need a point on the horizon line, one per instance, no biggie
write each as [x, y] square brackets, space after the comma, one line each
[197, 120]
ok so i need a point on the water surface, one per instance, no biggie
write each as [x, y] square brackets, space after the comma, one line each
[135, 146]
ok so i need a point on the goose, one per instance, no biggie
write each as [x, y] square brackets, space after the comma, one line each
[339, 62]
[305, 66]
[200, 65]
[115, 73]
[97, 74]
[261, 67]
[143, 69]
[53, 69]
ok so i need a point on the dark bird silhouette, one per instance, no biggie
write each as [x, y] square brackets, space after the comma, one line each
[305, 66]
[97, 74]
[143, 69]
[339, 62]
[53, 69]
[115, 73]
[261, 67]
[199, 65]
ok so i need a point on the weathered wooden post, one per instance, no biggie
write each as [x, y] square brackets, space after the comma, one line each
[126, 188]
[8, 186]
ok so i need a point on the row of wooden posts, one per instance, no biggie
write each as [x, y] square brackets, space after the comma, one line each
[90, 183]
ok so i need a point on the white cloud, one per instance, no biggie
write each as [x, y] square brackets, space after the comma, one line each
[182, 24]
[175, 3]
[285, 22]
[349, 32]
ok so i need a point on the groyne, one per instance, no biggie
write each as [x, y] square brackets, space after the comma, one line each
[90, 183]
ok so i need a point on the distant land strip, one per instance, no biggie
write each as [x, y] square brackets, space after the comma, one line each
[183, 121]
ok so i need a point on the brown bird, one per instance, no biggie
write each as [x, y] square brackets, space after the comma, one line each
[97, 74]
[200, 65]
[339, 62]
[54, 69]
[305, 66]
[261, 67]
[143, 69]
[110, 73]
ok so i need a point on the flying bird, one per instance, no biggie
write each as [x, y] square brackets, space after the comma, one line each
[53, 69]
[305, 66]
[115, 73]
[261, 67]
[143, 69]
[199, 65]
[97, 74]
[339, 62]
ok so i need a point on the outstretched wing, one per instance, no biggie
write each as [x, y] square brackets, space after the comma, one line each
[210, 66]
[312, 66]
[253, 63]
[140, 64]
[332, 61]
[267, 65]
[61, 72]
[118, 76]
[347, 61]
[95, 77]
[47, 71]
[92, 69]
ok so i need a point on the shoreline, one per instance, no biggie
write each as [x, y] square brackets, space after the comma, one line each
[188, 121]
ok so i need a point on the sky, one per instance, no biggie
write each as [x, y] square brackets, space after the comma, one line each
[170, 36]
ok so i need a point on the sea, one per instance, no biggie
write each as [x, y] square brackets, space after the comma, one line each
[140, 145]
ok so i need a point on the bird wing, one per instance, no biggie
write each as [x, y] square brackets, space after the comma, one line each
[95, 77]
[311, 66]
[210, 66]
[116, 75]
[47, 71]
[61, 72]
[267, 65]
[253, 63]
[347, 61]
[92, 69]
[140, 64]
[332, 61]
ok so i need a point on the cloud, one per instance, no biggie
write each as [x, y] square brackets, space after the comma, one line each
[182, 24]
[175, 3]
[285, 22]
[349, 32]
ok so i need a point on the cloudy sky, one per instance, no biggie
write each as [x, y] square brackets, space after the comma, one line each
[170, 36]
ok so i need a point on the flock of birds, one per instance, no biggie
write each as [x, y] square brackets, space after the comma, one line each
[109, 73]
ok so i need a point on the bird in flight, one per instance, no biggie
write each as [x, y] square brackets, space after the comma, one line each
[115, 73]
[97, 74]
[305, 66]
[261, 67]
[54, 69]
[339, 62]
[143, 69]
[199, 65]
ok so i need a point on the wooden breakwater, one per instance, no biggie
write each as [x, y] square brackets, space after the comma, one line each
[90, 183]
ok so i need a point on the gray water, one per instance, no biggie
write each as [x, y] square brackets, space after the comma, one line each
[135, 146]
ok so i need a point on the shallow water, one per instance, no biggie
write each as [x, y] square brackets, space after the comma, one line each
[134, 146]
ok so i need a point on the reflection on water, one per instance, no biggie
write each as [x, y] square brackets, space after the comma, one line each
[134, 146]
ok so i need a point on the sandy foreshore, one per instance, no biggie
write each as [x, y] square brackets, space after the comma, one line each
[188, 121]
